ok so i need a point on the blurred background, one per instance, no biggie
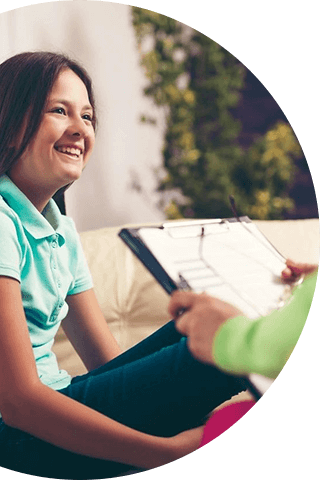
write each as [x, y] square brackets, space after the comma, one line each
[182, 124]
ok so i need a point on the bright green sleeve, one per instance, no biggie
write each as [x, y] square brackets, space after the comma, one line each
[263, 346]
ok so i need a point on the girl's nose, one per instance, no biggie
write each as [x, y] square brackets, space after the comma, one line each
[77, 127]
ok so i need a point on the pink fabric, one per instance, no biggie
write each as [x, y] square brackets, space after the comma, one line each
[223, 419]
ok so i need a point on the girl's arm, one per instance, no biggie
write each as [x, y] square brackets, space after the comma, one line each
[87, 330]
[27, 404]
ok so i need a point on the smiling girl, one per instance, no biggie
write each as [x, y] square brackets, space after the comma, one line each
[140, 409]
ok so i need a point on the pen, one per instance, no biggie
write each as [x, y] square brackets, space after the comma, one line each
[183, 284]
[184, 287]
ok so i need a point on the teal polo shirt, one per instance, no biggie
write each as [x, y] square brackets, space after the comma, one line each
[43, 252]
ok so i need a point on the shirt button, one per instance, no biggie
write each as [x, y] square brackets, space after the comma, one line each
[54, 244]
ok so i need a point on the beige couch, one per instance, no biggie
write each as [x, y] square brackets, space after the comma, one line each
[134, 305]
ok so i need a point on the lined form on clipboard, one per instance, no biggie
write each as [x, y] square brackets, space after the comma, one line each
[226, 258]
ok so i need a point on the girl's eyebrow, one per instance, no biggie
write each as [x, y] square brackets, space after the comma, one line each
[68, 104]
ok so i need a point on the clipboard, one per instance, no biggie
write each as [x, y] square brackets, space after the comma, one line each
[227, 258]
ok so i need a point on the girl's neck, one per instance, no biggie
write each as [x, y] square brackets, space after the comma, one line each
[37, 194]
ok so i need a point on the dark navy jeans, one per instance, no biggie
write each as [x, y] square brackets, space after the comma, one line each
[156, 387]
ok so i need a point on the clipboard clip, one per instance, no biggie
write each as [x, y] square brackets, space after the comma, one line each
[190, 223]
[196, 228]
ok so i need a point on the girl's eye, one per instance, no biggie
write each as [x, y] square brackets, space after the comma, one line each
[59, 110]
[88, 117]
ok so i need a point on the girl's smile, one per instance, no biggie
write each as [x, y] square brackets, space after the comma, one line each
[72, 150]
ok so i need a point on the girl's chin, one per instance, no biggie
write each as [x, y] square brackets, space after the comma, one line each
[69, 177]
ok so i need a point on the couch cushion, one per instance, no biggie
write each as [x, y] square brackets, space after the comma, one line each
[133, 303]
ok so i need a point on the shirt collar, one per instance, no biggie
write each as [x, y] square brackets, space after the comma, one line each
[39, 225]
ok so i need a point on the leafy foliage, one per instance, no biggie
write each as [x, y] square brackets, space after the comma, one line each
[198, 83]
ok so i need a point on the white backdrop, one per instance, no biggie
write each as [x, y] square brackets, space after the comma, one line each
[100, 35]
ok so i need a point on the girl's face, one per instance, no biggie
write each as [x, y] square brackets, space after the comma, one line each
[64, 141]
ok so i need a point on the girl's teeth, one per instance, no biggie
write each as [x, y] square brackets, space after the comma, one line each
[73, 151]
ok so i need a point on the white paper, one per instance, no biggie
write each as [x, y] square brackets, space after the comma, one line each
[229, 260]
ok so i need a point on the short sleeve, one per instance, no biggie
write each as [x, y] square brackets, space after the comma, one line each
[11, 255]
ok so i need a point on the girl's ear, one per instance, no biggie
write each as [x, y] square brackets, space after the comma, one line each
[17, 139]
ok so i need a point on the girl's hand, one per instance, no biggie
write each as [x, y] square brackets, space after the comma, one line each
[187, 442]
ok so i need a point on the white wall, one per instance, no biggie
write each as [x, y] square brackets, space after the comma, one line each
[100, 35]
